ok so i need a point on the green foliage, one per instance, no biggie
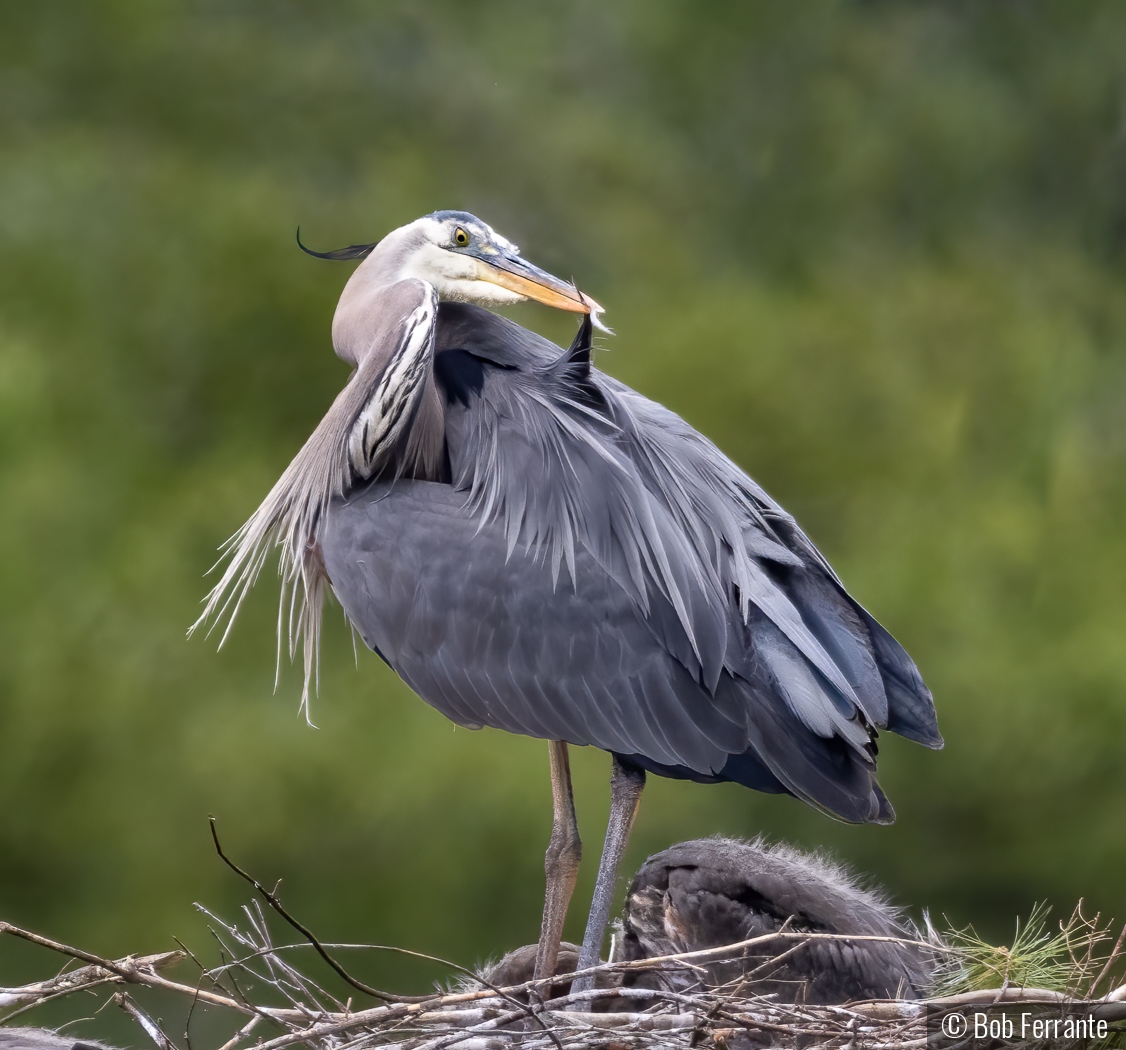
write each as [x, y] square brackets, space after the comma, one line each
[873, 248]
[1075, 960]
[1036, 958]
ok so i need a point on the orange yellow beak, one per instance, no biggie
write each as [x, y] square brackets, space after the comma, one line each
[516, 275]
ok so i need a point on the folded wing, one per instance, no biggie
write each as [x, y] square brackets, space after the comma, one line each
[597, 572]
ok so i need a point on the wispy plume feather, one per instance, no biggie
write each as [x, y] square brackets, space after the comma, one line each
[380, 420]
[290, 518]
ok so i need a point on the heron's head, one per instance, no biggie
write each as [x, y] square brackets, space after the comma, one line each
[465, 260]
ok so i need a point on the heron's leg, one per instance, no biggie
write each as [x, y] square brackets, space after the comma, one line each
[626, 783]
[561, 863]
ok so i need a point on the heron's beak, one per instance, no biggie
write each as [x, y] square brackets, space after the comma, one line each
[517, 275]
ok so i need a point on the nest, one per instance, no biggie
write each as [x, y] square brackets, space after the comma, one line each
[727, 997]
[273, 1004]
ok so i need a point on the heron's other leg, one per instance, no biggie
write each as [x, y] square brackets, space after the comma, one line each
[561, 862]
[626, 783]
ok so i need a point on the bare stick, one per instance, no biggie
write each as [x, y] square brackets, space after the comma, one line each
[242, 1033]
[273, 902]
[73, 980]
[651, 1018]
[124, 968]
[1111, 960]
[40, 1000]
[132, 970]
[203, 969]
[152, 1029]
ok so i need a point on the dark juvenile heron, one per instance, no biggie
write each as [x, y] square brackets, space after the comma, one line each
[711, 892]
[535, 547]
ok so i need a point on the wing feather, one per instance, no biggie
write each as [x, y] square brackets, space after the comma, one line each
[695, 628]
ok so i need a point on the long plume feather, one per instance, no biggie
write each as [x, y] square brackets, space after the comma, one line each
[381, 398]
[352, 252]
[289, 518]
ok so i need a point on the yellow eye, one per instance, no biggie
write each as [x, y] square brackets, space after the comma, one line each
[461, 238]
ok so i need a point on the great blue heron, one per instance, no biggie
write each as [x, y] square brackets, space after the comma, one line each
[533, 546]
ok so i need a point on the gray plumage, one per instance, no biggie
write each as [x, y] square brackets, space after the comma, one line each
[593, 570]
[44, 1039]
[518, 967]
[711, 892]
[533, 546]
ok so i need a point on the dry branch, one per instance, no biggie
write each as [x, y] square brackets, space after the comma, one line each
[483, 1018]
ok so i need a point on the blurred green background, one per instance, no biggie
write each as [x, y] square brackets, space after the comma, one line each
[875, 250]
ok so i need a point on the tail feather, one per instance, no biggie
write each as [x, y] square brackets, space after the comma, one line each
[910, 703]
[834, 622]
[831, 775]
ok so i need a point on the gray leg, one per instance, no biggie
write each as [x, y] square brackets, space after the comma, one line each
[625, 794]
[561, 863]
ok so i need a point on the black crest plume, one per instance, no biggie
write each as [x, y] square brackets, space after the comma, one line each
[353, 251]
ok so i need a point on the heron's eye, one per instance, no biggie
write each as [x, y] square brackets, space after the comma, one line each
[461, 238]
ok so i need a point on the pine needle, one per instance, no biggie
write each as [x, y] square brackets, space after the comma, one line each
[1065, 961]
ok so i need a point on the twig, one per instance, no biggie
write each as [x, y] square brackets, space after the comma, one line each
[272, 899]
[739, 946]
[273, 902]
[57, 995]
[143, 970]
[203, 969]
[125, 968]
[242, 1033]
[152, 1029]
[1111, 960]
[492, 1018]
